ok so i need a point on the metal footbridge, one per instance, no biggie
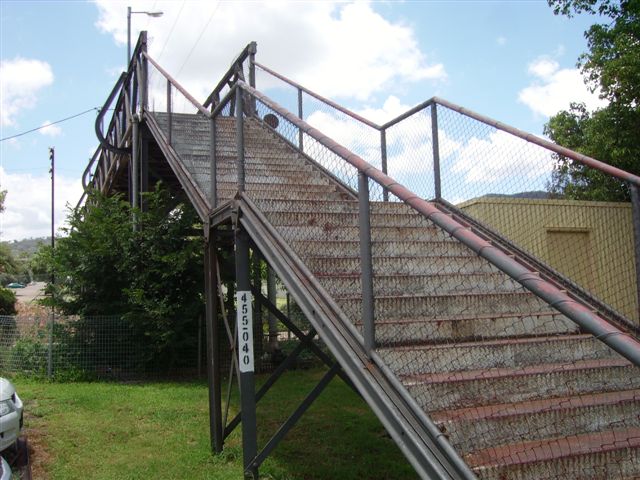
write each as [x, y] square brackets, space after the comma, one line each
[480, 357]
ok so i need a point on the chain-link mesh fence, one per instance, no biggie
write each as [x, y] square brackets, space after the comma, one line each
[104, 347]
[516, 386]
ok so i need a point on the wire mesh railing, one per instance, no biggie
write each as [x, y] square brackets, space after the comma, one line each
[503, 369]
[575, 216]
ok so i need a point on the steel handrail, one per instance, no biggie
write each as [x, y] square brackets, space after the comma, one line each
[231, 71]
[528, 137]
[319, 97]
[177, 85]
[623, 343]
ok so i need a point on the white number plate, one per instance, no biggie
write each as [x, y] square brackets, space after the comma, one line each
[245, 331]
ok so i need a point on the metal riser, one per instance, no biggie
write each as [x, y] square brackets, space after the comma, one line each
[341, 219]
[444, 305]
[340, 207]
[467, 436]
[330, 231]
[403, 265]
[446, 330]
[420, 284]
[301, 192]
[273, 179]
[518, 388]
[621, 464]
[425, 248]
[510, 353]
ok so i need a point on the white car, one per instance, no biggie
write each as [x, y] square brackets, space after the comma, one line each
[10, 414]
[5, 470]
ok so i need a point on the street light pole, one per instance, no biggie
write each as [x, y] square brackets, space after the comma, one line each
[129, 13]
[128, 36]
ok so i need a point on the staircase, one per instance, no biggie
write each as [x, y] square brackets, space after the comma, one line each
[472, 374]
[517, 389]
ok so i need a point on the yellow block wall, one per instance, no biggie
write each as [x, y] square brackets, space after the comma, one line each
[592, 242]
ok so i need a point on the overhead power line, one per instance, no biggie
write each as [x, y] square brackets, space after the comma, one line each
[49, 124]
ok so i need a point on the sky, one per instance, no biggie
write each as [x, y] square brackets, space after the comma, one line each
[514, 61]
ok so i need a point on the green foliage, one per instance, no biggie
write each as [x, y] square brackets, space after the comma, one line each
[151, 276]
[606, 135]
[610, 134]
[7, 302]
[31, 355]
[3, 195]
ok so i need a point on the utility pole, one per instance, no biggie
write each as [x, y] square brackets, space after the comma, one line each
[52, 157]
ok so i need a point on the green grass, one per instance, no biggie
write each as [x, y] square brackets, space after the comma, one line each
[160, 430]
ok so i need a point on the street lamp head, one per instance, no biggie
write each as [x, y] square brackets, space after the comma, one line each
[151, 14]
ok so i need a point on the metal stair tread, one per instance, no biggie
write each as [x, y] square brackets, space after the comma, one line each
[502, 410]
[554, 448]
[506, 372]
[457, 318]
[497, 342]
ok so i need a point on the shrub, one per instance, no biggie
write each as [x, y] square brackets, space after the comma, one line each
[7, 302]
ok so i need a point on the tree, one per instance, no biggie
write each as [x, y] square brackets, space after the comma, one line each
[612, 66]
[151, 277]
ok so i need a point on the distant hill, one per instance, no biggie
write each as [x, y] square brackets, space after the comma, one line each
[536, 194]
[26, 247]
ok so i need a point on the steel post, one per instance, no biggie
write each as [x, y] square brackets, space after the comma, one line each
[366, 266]
[240, 139]
[436, 151]
[144, 81]
[213, 345]
[300, 113]
[383, 159]
[169, 119]
[245, 353]
[135, 165]
[253, 48]
[635, 214]
[252, 73]
[213, 186]
[144, 170]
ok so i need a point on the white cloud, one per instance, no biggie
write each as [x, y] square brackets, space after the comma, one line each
[28, 204]
[554, 88]
[339, 49]
[501, 156]
[50, 130]
[22, 79]
[501, 40]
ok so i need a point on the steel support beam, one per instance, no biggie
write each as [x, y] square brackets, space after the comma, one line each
[247, 382]
[213, 178]
[295, 416]
[240, 138]
[213, 344]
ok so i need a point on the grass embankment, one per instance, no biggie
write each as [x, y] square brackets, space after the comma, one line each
[160, 430]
